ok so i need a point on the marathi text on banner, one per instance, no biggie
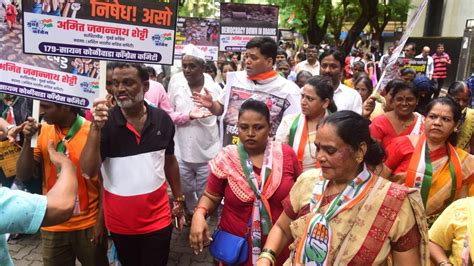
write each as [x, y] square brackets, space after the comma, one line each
[121, 30]
[65, 80]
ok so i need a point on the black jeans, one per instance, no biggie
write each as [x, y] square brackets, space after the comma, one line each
[144, 250]
[440, 83]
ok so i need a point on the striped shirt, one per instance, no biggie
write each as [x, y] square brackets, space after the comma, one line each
[440, 67]
[135, 196]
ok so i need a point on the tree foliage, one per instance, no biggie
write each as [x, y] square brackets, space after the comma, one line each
[198, 8]
[317, 20]
[394, 10]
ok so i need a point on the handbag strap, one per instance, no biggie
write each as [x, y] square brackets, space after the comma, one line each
[249, 225]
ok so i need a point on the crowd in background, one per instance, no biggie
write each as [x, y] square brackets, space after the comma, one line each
[352, 175]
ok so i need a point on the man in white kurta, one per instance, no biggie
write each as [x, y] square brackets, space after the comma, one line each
[197, 135]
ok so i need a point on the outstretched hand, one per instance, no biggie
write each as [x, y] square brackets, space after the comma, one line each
[203, 100]
[198, 113]
[58, 159]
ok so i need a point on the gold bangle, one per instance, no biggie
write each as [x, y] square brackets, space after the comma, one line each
[268, 256]
[268, 250]
[261, 258]
[443, 263]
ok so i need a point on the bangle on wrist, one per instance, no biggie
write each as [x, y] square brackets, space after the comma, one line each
[267, 255]
[444, 263]
[267, 250]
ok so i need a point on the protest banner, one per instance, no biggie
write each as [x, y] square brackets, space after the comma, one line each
[70, 81]
[417, 64]
[9, 154]
[123, 30]
[202, 32]
[392, 69]
[240, 23]
[276, 102]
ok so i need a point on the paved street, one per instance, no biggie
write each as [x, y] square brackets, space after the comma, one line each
[27, 250]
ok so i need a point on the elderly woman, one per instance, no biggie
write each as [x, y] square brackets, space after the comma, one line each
[345, 214]
[299, 130]
[253, 177]
[402, 120]
[431, 162]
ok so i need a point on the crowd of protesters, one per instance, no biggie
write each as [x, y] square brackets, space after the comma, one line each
[349, 172]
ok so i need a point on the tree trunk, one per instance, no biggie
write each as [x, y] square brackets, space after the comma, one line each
[312, 22]
[369, 10]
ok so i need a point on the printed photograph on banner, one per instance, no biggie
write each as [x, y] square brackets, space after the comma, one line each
[275, 104]
[242, 22]
[66, 80]
[124, 30]
[417, 64]
[202, 32]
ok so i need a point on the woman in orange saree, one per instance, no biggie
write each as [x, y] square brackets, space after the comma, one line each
[431, 162]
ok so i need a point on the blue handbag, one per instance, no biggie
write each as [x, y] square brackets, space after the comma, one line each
[229, 248]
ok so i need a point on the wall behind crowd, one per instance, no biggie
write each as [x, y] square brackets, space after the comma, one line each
[452, 46]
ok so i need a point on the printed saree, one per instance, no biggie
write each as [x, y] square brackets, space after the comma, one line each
[466, 131]
[443, 183]
[390, 217]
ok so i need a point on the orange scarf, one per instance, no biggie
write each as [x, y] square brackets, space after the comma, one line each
[263, 76]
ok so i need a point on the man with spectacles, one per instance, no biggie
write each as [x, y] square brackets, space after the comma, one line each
[311, 63]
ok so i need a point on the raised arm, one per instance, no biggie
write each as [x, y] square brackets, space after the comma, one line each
[26, 164]
[90, 157]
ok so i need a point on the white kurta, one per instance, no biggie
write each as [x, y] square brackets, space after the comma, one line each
[196, 141]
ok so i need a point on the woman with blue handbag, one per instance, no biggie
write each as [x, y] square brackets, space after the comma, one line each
[254, 177]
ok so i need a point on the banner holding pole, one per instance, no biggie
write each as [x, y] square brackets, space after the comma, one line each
[392, 69]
